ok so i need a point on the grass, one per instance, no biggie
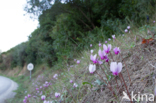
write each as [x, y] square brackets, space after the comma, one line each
[91, 88]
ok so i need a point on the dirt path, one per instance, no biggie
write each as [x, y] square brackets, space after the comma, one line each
[6, 88]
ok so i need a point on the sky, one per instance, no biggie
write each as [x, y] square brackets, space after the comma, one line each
[14, 27]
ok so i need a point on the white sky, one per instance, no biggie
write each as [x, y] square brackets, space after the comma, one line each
[14, 27]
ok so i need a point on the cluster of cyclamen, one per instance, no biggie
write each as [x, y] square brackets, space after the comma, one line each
[103, 55]
[128, 28]
[26, 98]
[43, 97]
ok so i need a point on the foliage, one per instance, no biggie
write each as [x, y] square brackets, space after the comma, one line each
[66, 26]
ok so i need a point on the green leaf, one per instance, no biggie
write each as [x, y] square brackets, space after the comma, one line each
[87, 83]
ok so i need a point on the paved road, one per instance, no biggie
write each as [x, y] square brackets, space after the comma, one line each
[6, 88]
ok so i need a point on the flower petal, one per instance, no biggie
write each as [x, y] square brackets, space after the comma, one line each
[104, 47]
[119, 67]
[113, 66]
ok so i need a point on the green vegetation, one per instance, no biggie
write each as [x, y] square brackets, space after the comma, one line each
[69, 27]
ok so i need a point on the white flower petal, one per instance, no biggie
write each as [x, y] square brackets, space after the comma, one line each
[119, 67]
[94, 58]
[104, 47]
[113, 66]
[109, 46]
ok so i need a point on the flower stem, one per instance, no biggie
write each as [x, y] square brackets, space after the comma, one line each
[110, 88]
[109, 82]
[117, 83]
[125, 86]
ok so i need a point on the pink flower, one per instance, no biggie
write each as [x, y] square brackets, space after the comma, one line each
[153, 21]
[43, 97]
[55, 76]
[109, 39]
[57, 95]
[78, 62]
[25, 100]
[37, 89]
[102, 54]
[75, 85]
[91, 45]
[126, 30]
[99, 44]
[29, 95]
[115, 68]
[107, 49]
[46, 101]
[107, 59]
[93, 58]
[26, 97]
[128, 27]
[46, 82]
[92, 68]
[91, 51]
[113, 36]
[105, 41]
[71, 81]
[116, 50]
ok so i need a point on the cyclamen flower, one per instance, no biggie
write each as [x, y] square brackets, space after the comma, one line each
[107, 49]
[46, 82]
[78, 62]
[109, 39]
[99, 44]
[93, 58]
[37, 89]
[153, 21]
[107, 59]
[91, 45]
[105, 41]
[25, 100]
[126, 30]
[71, 81]
[46, 101]
[75, 85]
[26, 97]
[116, 50]
[92, 68]
[29, 95]
[128, 27]
[43, 97]
[50, 83]
[55, 76]
[57, 95]
[102, 54]
[115, 68]
[91, 51]
[113, 36]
